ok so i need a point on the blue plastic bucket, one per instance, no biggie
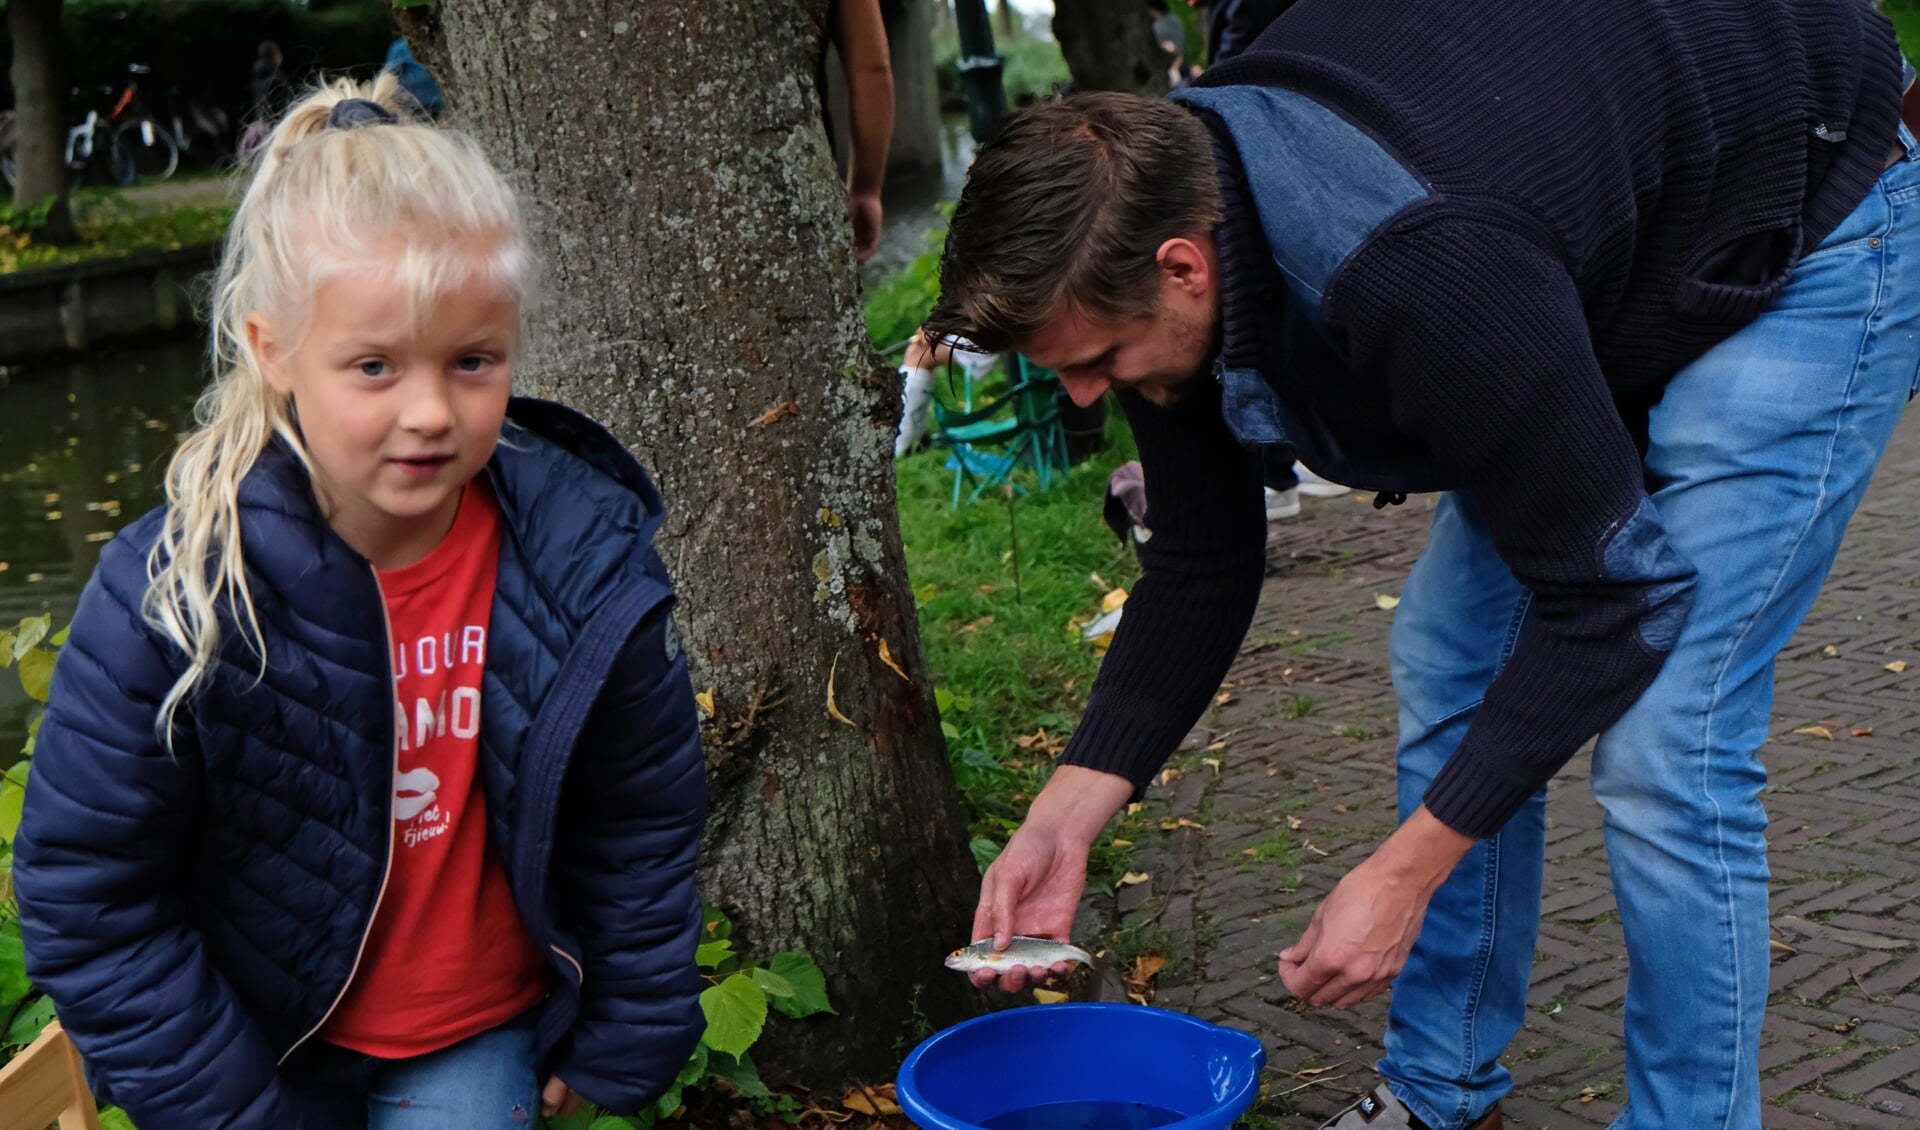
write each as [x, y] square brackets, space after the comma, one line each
[1082, 1067]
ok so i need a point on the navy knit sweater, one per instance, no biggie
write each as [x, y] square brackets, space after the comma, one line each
[1594, 192]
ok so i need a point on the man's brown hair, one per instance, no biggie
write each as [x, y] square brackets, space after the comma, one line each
[1067, 208]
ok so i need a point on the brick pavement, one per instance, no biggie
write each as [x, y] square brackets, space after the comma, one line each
[1304, 789]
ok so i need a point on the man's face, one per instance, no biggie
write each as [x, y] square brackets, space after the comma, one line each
[1157, 355]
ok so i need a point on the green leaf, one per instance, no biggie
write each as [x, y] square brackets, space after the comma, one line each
[59, 638]
[772, 983]
[694, 1070]
[809, 985]
[668, 1103]
[411, 3]
[582, 1119]
[736, 1010]
[28, 1022]
[28, 635]
[949, 730]
[714, 924]
[113, 1118]
[740, 1071]
[33, 734]
[942, 699]
[976, 758]
[984, 853]
[14, 986]
[36, 674]
[6, 648]
[12, 796]
[611, 1122]
[709, 955]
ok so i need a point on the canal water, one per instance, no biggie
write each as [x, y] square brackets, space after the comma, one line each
[82, 447]
[83, 443]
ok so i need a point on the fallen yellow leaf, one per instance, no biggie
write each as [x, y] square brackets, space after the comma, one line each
[1136, 998]
[1212, 763]
[1133, 878]
[1048, 996]
[704, 700]
[1113, 600]
[869, 1102]
[1118, 842]
[1778, 946]
[833, 708]
[779, 411]
[1830, 651]
[886, 657]
[1223, 698]
[1384, 602]
[1221, 744]
[1293, 822]
[1897, 666]
[1862, 731]
[1099, 582]
[1816, 731]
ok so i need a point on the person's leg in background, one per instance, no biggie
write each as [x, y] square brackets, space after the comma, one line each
[1283, 486]
[1760, 452]
[1462, 995]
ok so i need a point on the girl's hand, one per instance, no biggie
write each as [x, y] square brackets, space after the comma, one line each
[557, 1100]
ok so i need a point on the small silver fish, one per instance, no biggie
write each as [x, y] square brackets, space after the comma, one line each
[1043, 952]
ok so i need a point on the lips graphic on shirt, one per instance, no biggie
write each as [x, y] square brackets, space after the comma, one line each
[413, 791]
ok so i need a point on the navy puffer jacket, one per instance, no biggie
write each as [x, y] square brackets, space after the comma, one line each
[196, 916]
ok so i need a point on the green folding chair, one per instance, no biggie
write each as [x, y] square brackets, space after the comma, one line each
[1020, 428]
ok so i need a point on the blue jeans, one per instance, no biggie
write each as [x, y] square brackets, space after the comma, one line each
[1760, 452]
[481, 1083]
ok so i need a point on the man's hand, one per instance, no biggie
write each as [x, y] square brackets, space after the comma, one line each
[1034, 887]
[865, 209]
[557, 1100]
[1361, 933]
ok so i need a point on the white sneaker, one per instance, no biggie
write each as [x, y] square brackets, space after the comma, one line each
[1313, 486]
[1282, 503]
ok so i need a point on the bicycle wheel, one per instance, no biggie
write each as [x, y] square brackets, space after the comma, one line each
[150, 151]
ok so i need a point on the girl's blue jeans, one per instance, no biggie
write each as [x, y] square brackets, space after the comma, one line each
[1760, 452]
[484, 1082]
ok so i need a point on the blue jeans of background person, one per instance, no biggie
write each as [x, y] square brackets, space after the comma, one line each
[1760, 452]
[481, 1083]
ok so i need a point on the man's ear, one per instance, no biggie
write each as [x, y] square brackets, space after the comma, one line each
[265, 347]
[1185, 265]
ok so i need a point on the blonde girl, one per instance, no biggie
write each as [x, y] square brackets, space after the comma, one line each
[370, 785]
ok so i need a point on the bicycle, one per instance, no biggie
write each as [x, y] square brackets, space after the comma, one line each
[151, 152]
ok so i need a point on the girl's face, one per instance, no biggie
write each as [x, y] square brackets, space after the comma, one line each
[397, 417]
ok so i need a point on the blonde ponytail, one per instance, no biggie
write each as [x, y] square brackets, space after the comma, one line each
[320, 201]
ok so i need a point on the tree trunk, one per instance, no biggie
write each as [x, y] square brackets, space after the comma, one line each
[1110, 46]
[703, 302]
[915, 150]
[39, 100]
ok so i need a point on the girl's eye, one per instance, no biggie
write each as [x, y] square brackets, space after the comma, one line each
[374, 368]
[472, 363]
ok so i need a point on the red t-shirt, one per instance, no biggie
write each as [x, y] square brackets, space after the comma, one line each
[447, 956]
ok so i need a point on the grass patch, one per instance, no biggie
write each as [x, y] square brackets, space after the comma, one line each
[1011, 669]
[108, 224]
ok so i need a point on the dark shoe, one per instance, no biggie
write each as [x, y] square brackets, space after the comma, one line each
[1381, 1111]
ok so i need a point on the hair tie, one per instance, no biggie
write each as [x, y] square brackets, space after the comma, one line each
[354, 112]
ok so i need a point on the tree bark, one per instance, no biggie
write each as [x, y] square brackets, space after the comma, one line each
[39, 100]
[703, 302]
[1110, 46]
[915, 150]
